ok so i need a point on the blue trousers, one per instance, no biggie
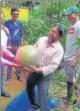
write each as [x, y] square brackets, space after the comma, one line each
[43, 86]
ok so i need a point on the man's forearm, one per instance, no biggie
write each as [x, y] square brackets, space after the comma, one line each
[77, 56]
[39, 70]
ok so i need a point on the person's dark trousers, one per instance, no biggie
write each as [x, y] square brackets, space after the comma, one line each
[70, 88]
[13, 50]
[32, 80]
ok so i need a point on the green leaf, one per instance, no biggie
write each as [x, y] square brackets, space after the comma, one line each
[77, 42]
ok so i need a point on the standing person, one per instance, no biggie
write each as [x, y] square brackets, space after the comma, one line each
[51, 53]
[4, 39]
[16, 32]
[72, 51]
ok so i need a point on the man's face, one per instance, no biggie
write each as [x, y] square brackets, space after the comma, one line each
[72, 17]
[53, 35]
[15, 15]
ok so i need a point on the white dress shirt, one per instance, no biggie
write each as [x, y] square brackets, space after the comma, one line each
[50, 56]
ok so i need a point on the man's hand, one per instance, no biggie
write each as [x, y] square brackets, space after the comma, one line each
[32, 69]
[74, 61]
[16, 65]
[73, 64]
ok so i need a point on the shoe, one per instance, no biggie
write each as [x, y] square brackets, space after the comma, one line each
[35, 106]
[64, 98]
[5, 94]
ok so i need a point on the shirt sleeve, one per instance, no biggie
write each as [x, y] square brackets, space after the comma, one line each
[7, 54]
[53, 65]
[6, 62]
[5, 28]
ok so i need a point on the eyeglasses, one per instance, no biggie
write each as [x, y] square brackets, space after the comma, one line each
[15, 14]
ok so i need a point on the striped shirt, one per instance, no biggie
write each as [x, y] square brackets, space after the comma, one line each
[50, 56]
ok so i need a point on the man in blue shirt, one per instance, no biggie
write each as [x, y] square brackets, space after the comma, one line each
[16, 32]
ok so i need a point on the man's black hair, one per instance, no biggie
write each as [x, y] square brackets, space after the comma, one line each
[62, 29]
[14, 9]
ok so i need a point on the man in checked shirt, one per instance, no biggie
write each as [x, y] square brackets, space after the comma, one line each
[51, 54]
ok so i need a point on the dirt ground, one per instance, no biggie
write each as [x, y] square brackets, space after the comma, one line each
[14, 88]
[56, 90]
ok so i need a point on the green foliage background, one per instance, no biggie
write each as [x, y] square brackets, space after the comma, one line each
[40, 22]
[43, 18]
